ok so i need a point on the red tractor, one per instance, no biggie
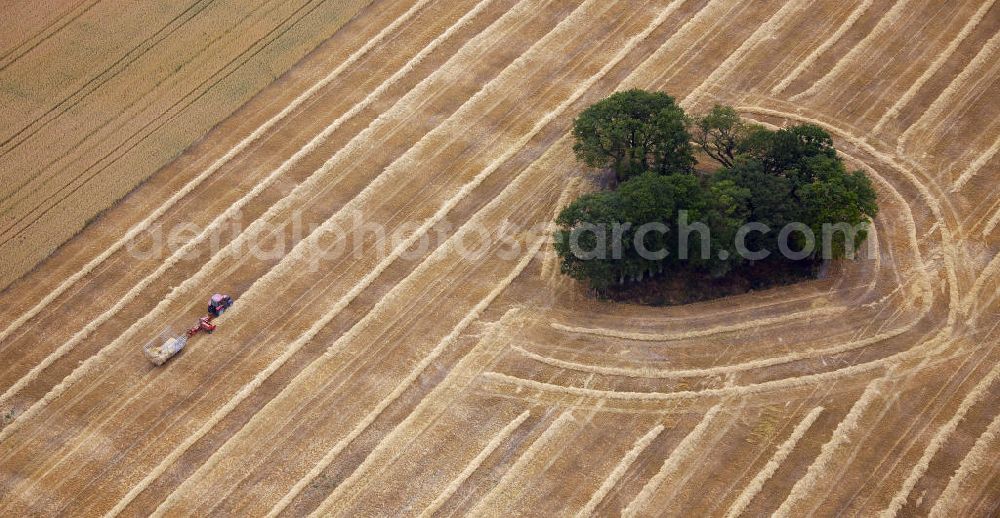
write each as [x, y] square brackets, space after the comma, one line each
[159, 352]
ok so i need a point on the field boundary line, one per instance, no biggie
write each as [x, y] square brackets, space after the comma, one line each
[845, 26]
[473, 465]
[616, 474]
[754, 487]
[936, 65]
[536, 447]
[194, 183]
[973, 462]
[679, 454]
[885, 24]
[943, 434]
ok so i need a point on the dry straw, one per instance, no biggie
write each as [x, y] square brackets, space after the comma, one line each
[416, 422]
[942, 436]
[304, 338]
[371, 276]
[926, 349]
[886, 26]
[929, 72]
[764, 31]
[289, 351]
[474, 465]
[672, 463]
[934, 116]
[650, 372]
[402, 166]
[947, 242]
[619, 471]
[511, 70]
[487, 506]
[432, 356]
[754, 487]
[911, 227]
[664, 337]
[861, 9]
[549, 262]
[986, 275]
[688, 36]
[977, 166]
[982, 456]
[231, 211]
[806, 485]
[991, 224]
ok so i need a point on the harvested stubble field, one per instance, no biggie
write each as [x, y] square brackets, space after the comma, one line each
[437, 383]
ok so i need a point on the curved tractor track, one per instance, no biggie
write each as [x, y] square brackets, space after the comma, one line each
[425, 380]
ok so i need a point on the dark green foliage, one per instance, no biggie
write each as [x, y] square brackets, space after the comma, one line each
[767, 203]
[782, 150]
[608, 228]
[729, 209]
[654, 199]
[837, 196]
[633, 132]
[720, 133]
[594, 259]
[771, 177]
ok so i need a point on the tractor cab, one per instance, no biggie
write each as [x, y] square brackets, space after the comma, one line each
[218, 304]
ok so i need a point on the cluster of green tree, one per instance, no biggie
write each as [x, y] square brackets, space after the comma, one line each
[775, 190]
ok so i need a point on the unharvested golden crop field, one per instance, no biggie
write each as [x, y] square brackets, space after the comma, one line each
[97, 95]
[402, 379]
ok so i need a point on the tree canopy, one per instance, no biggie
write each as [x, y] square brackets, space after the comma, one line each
[720, 133]
[632, 132]
[664, 218]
